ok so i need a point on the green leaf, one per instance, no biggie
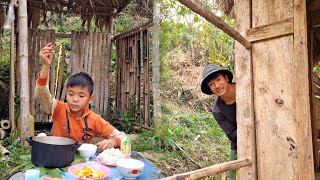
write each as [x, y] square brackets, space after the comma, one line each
[43, 171]
[29, 166]
[25, 157]
[54, 173]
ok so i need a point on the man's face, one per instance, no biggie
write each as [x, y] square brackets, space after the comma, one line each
[77, 98]
[220, 85]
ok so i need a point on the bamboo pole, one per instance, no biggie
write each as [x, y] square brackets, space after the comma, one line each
[138, 84]
[108, 51]
[103, 73]
[32, 72]
[90, 52]
[199, 8]
[94, 69]
[98, 72]
[146, 79]
[12, 87]
[86, 53]
[156, 66]
[37, 59]
[211, 170]
[118, 81]
[23, 56]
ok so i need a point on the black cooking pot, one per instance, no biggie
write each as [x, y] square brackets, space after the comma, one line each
[52, 151]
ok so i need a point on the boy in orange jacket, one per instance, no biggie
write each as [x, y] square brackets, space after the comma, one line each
[73, 119]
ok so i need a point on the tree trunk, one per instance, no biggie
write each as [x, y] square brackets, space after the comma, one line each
[199, 8]
[156, 65]
[23, 56]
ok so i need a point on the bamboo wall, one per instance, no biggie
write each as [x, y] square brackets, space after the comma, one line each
[133, 91]
[88, 54]
[38, 39]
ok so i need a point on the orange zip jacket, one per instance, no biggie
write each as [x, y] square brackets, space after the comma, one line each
[58, 109]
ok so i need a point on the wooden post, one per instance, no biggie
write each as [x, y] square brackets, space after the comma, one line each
[12, 87]
[244, 94]
[156, 66]
[23, 56]
[305, 169]
[203, 11]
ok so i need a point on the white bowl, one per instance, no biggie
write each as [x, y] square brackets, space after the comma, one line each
[87, 150]
[130, 168]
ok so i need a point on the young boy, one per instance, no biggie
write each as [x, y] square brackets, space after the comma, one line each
[73, 119]
[218, 81]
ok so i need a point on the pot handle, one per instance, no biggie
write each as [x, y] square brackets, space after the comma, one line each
[76, 146]
[29, 140]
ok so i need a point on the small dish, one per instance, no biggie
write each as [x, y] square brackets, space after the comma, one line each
[92, 165]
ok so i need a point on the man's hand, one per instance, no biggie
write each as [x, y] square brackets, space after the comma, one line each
[46, 54]
[106, 144]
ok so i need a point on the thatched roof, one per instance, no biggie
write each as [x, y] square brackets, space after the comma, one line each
[87, 7]
[101, 10]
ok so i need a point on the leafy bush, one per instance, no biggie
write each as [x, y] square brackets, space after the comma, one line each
[16, 160]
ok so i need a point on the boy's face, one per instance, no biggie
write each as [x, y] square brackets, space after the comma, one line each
[78, 98]
[220, 85]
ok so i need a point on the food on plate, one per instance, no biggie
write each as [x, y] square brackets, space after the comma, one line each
[110, 156]
[88, 172]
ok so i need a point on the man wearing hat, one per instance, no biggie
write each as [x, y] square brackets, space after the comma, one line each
[218, 81]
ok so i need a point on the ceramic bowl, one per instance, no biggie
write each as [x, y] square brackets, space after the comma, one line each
[130, 168]
[87, 150]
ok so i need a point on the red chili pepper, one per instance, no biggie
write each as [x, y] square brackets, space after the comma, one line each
[135, 171]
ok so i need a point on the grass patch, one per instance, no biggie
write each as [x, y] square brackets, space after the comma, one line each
[187, 141]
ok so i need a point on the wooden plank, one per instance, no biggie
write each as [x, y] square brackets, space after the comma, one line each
[211, 170]
[244, 94]
[279, 28]
[301, 95]
[267, 12]
[274, 108]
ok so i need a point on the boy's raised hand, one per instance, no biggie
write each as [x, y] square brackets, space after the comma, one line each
[106, 144]
[46, 54]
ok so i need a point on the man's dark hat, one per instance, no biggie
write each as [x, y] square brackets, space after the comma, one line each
[211, 69]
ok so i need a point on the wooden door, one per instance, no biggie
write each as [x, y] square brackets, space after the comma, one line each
[276, 111]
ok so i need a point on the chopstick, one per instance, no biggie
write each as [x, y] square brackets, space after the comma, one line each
[57, 44]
